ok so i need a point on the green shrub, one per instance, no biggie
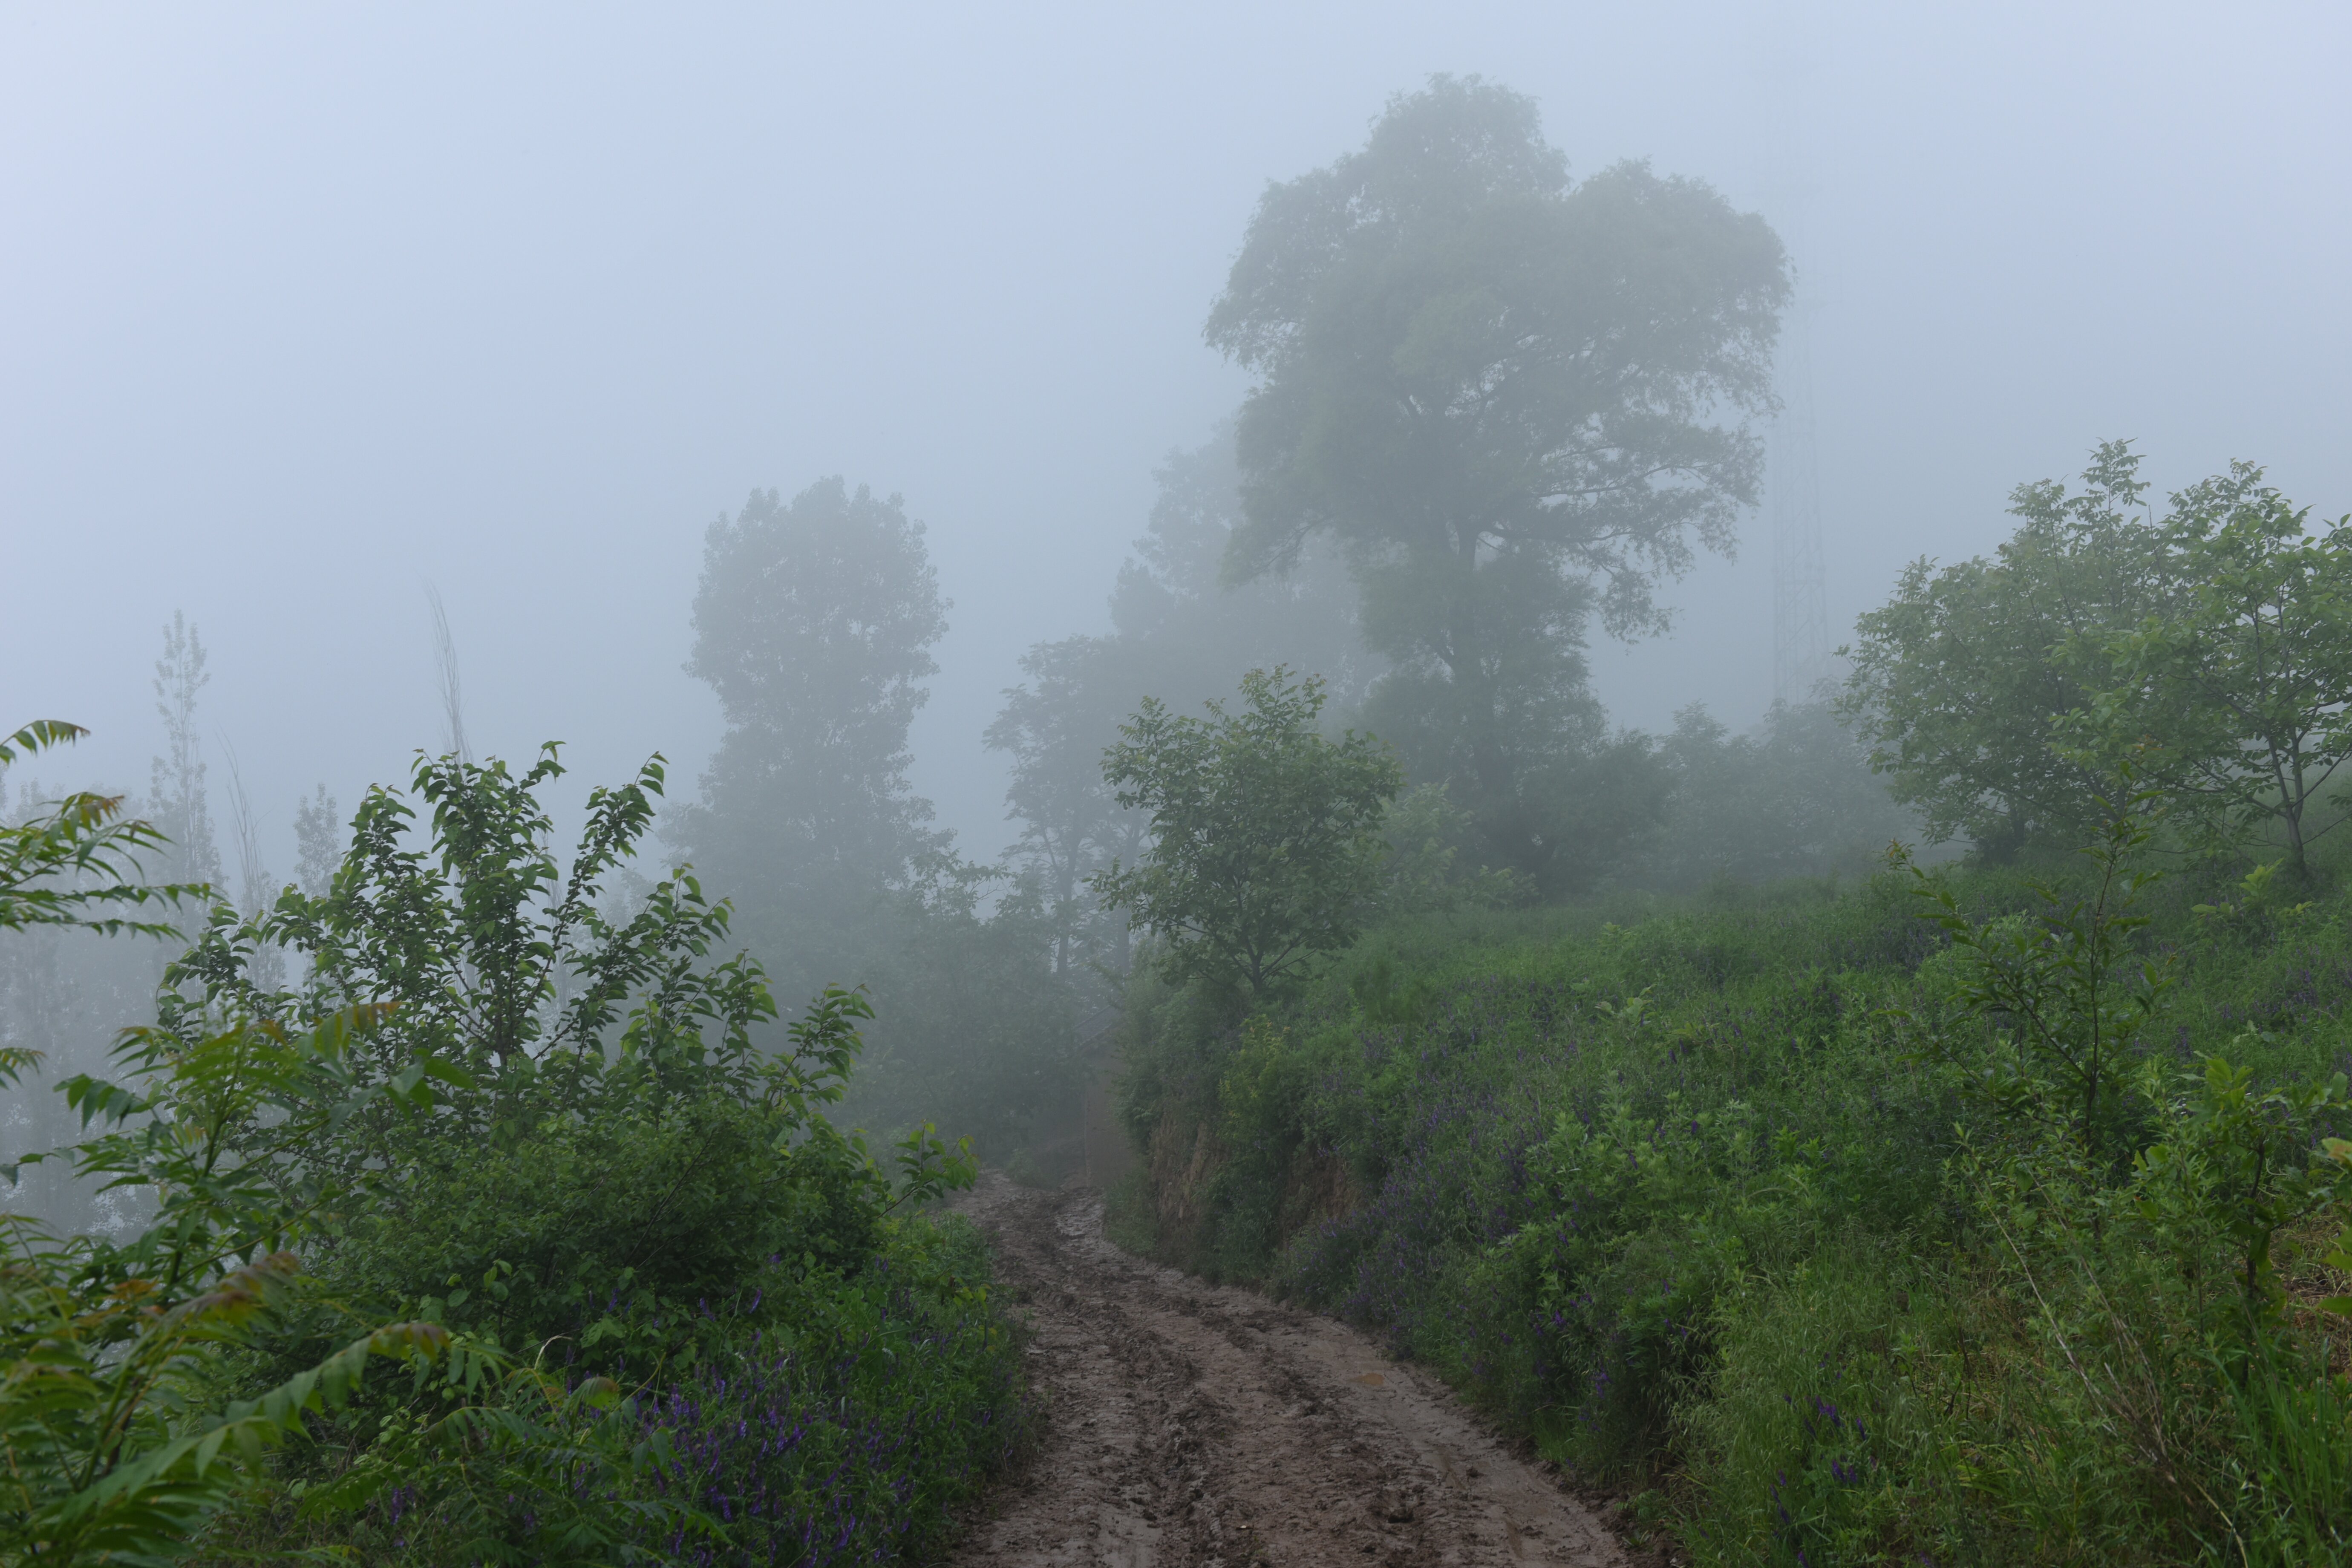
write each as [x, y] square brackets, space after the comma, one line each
[611, 1238]
[658, 1308]
[837, 1415]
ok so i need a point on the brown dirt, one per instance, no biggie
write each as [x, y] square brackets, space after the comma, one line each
[1186, 1424]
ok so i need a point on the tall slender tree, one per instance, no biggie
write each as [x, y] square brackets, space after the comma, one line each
[814, 623]
[1055, 727]
[254, 889]
[180, 809]
[451, 691]
[320, 839]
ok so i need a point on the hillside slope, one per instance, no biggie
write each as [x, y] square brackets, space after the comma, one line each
[1743, 1207]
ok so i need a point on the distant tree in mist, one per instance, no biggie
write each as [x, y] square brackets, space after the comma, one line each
[68, 996]
[178, 805]
[319, 841]
[1555, 794]
[1180, 634]
[1055, 726]
[813, 622]
[1504, 395]
[74, 865]
[449, 687]
[1192, 632]
[974, 1030]
[255, 891]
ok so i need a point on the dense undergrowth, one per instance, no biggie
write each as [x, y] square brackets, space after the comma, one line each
[1918, 1219]
[481, 1218]
[838, 1414]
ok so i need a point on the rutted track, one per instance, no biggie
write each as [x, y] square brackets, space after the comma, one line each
[1188, 1426]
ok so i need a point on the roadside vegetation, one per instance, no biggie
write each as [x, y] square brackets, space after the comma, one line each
[1775, 1211]
[1993, 1205]
[493, 1234]
[1992, 1210]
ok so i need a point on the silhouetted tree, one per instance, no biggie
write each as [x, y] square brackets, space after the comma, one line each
[1180, 634]
[1502, 394]
[813, 622]
[178, 807]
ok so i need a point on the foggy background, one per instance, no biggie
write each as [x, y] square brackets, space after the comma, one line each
[304, 308]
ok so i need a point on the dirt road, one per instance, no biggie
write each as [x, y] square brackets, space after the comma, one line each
[1188, 1426]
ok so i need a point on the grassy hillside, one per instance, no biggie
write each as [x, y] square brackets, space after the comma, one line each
[1743, 1204]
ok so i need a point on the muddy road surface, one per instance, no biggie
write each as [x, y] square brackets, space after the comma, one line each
[1189, 1425]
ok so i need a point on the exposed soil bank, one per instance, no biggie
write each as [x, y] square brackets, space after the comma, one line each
[1186, 1424]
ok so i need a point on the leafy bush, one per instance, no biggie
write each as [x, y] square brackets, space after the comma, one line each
[1267, 847]
[620, 1230]
[114, 1452]
[849, 1426]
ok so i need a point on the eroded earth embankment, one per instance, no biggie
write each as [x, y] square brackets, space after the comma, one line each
[1185, 1424]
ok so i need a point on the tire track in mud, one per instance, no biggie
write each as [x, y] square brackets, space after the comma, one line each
[1191, 1425]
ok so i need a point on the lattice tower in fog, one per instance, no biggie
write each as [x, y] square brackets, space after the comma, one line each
[1785, 52]
[1801, 613]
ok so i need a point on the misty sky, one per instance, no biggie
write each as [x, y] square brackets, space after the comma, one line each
[304, 308]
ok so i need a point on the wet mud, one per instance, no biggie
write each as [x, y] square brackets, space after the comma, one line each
[1191, 1425]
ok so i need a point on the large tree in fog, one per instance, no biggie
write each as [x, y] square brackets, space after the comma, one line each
[1514, 400]
[813, 622]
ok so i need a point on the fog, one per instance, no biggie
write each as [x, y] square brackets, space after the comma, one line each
[308, 311]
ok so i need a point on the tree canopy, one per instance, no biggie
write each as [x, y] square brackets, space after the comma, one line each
[1179, 634]
[2209, 650]
[2238, 696]
[1957, 680]
[1267, 847]
[815, 623]
[1511, 398]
